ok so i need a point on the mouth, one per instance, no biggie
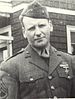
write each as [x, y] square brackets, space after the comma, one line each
[39, 38]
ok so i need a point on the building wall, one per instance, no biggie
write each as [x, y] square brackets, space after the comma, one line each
[19, 41]
[59, 34]
[65, 4]
[4, 21]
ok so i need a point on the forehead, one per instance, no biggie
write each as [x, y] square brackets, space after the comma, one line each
[33, 21]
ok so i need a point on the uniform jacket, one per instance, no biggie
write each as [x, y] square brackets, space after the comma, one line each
[27, 76]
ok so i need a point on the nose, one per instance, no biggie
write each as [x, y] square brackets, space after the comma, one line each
[37, 31]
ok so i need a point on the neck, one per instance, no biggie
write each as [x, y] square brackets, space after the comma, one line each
[38, 50]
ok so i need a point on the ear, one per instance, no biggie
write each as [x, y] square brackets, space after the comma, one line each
[51, 26]
[24, 32]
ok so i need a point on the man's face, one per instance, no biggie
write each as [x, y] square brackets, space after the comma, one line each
[37, 31]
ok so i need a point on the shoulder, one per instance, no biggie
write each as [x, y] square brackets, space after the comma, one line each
[11, 64]
[20, 54]
[63, 55]
[16, 55]
[14, 58]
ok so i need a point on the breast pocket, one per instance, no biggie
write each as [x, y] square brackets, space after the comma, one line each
[63, 81]
[32, 83]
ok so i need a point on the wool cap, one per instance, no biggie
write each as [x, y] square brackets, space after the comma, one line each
[35, 10]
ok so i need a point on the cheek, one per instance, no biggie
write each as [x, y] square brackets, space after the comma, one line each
[30, 35]
[47, 32]
[48, 36]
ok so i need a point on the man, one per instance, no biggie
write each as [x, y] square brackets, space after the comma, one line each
[39, 71]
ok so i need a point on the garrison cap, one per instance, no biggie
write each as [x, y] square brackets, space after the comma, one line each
[35, 10]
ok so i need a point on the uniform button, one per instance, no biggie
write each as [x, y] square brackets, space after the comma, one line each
[31, 79]
[69, 77]
[43, 11]
[27, 52]
[8, 74]
[52, 87]
[50, 77]
[55, 97]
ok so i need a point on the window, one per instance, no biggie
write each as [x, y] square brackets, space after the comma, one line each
[71, 39]
[5, 43]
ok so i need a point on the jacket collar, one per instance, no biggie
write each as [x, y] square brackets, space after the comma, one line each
[36, 60]
[44, 52]
[54, 60]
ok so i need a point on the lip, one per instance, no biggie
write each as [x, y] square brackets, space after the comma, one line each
[40, 38]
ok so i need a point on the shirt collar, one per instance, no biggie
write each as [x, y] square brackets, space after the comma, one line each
[43, 53]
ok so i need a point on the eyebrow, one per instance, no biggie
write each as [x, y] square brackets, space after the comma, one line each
[29, 27]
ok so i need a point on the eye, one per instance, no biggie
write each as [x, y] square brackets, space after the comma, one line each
[41, 25]
[31, 28]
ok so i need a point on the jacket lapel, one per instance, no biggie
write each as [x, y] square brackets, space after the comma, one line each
[36, 60]
[54, 60]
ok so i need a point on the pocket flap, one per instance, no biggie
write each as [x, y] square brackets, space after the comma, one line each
[32, 76]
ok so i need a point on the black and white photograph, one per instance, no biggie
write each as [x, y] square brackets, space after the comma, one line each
[37, 49]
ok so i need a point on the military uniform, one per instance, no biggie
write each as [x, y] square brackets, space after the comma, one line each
[30, 76]
[27, 76]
